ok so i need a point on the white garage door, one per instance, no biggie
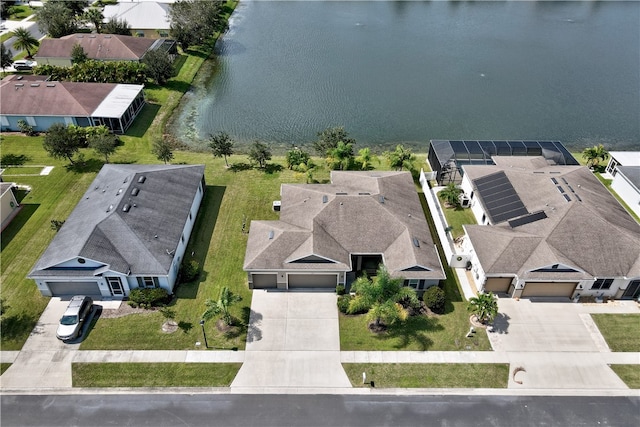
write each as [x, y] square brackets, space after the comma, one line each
[313, 280]
[59, 289]
[264, 281]
[548, 289]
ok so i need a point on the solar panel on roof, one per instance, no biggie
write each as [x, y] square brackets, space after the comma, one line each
[499, 197]
[527, 219]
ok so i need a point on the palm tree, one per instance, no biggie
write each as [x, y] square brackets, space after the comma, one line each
[593, 155]
[484, 307]
[94, 15]
[24, 40]
[450, 194]
[400, 157]
[340, 157]
[221, 306]
[380, 297]
[365, 158]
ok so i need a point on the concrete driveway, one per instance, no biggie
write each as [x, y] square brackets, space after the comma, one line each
[44, 360]
[556, 343]
[293, 341]
[529, 325]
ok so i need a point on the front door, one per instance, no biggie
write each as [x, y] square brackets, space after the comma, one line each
[633, 290]
[115, 286]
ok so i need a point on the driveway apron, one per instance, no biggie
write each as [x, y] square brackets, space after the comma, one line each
[293, 341]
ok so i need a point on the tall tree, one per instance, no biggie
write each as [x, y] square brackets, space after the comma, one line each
[116, 26]
[328, 140]
[59, 142]
[400, 157]
[95, 17]
[56, 19]
[24, 40]
[451, 194]
[6, 56]
[594, 155]
[221, 145]
[75, 6]
[159, 65]
[259, 153]
[381, 297]
[192, 22]
[78, 55]
[162, 149]
[341, 156]
[221, 306]
[365, 159]
[104, 144]
[484, 307]
[296, 157]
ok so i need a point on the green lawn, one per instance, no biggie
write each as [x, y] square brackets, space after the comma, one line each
[630, 374]
[419, 333]
[4, 367]
[154, 374]
[456, 218]
[621, 331]
[436, 375]
[20, 12]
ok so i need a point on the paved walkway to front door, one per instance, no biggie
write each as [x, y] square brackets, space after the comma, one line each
[293, 341]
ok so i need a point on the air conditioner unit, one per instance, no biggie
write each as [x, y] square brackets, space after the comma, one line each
[465, 202]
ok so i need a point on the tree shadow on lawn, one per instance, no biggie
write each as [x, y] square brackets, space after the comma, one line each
[414, 329]
[17, 326]
[85, 165]
[17, 223]
[14, 159]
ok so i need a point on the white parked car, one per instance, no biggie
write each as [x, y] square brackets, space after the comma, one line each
[24, 64]
[74, 317]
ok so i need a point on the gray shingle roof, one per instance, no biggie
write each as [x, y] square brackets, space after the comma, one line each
[136, 241]
[346, 217]
[591, 232]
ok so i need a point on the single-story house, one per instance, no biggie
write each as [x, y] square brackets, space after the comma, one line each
[328, 234]
[146, 19]
[43, 103]
[129, 230]
[9, 206]
[626, 184]
[548, 231]
[101, 47]
[622, 158]
[447, 158]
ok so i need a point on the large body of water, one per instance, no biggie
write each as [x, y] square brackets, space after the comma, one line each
[409, 72]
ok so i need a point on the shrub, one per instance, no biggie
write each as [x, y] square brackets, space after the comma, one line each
[189, 271]
[149, 297]
[343, 303]
[434, 299]
[340, 290]
[26, 128]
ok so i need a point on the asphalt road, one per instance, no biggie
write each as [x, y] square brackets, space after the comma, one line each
[315, 410]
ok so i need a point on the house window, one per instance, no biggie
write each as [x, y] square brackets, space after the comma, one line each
[148, 282]
[31, 121]
[413, 283]
[484, 218]
[471, 196]
[602, 284]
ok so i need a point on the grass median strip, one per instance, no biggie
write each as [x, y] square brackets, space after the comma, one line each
[428, 375]
[4, 367]
[630, 374]
[619, 330]
[154, 374]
